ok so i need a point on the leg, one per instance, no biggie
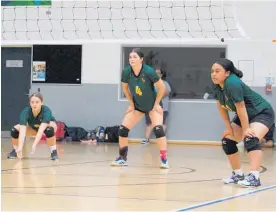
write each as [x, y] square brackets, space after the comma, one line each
[235, 159]
[253, 147]
[268, 140]
[130, 120]
[267, 144]
[148, 129]
[229, 145]
[255, 155]
[165, 117]
[15, 135]
[14, 139]
[50, 133]
[157, 123]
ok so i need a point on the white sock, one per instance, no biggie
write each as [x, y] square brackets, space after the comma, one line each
[238, 171]
[52, 148]
[256, 174]
[15, 147]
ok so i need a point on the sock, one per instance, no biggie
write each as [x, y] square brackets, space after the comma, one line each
[123, 152]
[52, 148]
[255, 173]
[163, 155]
[238, 171]
[15, 147]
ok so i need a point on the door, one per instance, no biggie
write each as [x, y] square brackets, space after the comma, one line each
[16, 71]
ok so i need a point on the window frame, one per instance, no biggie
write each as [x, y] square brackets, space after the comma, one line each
[123, 46]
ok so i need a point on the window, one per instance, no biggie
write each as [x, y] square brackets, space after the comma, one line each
[187, 68]
[57, 64]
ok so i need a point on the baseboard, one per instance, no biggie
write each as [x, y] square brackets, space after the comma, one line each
[182, 142]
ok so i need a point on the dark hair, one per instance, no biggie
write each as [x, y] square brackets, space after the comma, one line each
[38, 95]
[161, 68]
[150, 58]
[229, 66]
[138, 51]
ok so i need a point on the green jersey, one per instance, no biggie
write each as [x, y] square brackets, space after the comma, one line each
[27, 117]
[141, 86]
[234, 91]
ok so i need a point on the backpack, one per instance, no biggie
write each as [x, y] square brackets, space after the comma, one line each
[61, 128]
[112, 134]
[76, 133]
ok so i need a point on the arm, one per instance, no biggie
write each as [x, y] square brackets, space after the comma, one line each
[242, 114]
[127, 92]
[168, 88]
[22, 135]
[160, 91]
[236, 92]
[40, 132]
[124, 80]
[224, 114]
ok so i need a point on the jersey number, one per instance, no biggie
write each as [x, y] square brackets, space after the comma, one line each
[138, 91]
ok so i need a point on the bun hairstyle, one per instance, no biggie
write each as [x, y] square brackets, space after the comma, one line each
[229, 66]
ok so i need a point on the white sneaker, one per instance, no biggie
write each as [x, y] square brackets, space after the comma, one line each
[119, 162]
[164, 165]
[235, 178]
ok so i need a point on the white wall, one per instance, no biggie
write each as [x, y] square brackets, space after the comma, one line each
[101, 63]
[101, 60]
[257, 18]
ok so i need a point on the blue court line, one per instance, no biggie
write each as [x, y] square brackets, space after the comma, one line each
[226, 198]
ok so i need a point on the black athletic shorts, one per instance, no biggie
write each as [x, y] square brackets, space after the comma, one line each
[266, 117]
[145, 111]
[270, 134]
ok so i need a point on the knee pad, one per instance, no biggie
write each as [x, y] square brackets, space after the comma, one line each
[14, 133]
[229, 146]
[123, 131]
[251, 143]
[159, 131]
[49, 132]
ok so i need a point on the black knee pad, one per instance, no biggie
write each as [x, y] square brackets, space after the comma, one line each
[229, 146]
[251, 143]
[159, 131]
[49, 132]
[123, 131]
[14, 133]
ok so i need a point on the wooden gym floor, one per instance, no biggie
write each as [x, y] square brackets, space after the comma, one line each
[83, 180]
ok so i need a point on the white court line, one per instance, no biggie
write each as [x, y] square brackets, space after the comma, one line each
[226, 198]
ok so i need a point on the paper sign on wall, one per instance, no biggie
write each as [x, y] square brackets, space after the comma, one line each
[39, 70]
[14, 63]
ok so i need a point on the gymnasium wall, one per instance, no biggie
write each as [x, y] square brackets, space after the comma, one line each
[97, 101]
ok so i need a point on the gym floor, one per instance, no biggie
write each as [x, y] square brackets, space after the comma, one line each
[83, 180]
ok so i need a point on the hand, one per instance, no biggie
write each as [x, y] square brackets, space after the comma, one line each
[131, 108]
[158, 109]
[19, 153]
[33, 149]
[228, 132]
[249, 132]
